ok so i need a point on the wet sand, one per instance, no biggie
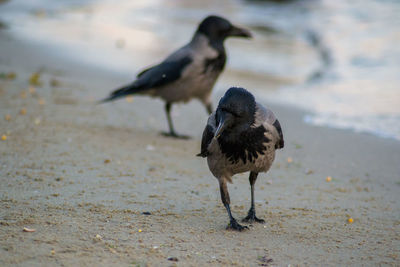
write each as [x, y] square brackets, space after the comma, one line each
[82, 175]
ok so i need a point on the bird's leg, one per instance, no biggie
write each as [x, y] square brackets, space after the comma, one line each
[233, 224]
[251, 216]
[172, 132]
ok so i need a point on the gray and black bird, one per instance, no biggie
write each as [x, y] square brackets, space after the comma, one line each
[240, 136]
[190, 72]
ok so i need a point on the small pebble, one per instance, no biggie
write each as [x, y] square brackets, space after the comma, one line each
[173, 259]
[22, 111]
[150, 148]
[309, 171]
[328, 179]
[37, 121]
[7, 117]
[289, 160]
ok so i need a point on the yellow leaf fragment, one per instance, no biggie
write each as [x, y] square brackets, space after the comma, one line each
[11, 75]
[4, 137]
[35, 79]
[8, 76]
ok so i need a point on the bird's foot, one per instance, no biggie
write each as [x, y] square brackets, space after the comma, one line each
[234, 225]
[175, 135]
[251, 217]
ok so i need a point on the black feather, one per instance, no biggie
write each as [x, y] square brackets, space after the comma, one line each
[162, 74]
[215, 28]
[215, 64]
[278, 128]
[251, 140]
[121, 92]
[143, 71]
[208, 135]
[151, 78]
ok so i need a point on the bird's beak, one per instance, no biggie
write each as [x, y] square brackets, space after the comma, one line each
[240, 32]
[221, 127]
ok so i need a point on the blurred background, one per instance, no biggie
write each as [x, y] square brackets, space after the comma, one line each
[340, 60]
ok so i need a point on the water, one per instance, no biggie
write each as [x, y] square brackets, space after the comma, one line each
[338, 59]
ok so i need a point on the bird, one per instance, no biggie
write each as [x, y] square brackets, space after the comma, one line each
[240, 136]
[189, 72]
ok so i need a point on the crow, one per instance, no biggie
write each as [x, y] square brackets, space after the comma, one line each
[190, 72]
[240, 136]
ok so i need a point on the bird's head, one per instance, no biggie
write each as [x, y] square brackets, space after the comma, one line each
[218, 29]
[235, 112]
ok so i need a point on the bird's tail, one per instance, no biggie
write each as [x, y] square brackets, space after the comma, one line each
[121, 92]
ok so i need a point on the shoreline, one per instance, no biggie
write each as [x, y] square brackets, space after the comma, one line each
[83, 174]
[254, 81]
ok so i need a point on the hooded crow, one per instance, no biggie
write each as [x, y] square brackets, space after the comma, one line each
[240, 136]
[190, 72]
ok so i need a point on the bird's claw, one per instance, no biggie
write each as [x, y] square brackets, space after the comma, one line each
[234, 225]
[251, 217]
[175, 135]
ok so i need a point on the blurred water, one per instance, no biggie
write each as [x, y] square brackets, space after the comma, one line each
[339, 59]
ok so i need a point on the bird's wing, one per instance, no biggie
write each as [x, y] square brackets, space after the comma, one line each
[166, 72]
[208, 135]
[143, 71]
[266, 115]
[281, 142]
[174, 62]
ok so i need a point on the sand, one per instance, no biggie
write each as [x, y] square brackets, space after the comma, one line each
[84, 176]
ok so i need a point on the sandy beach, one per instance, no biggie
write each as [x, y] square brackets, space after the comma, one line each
[84, 176]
